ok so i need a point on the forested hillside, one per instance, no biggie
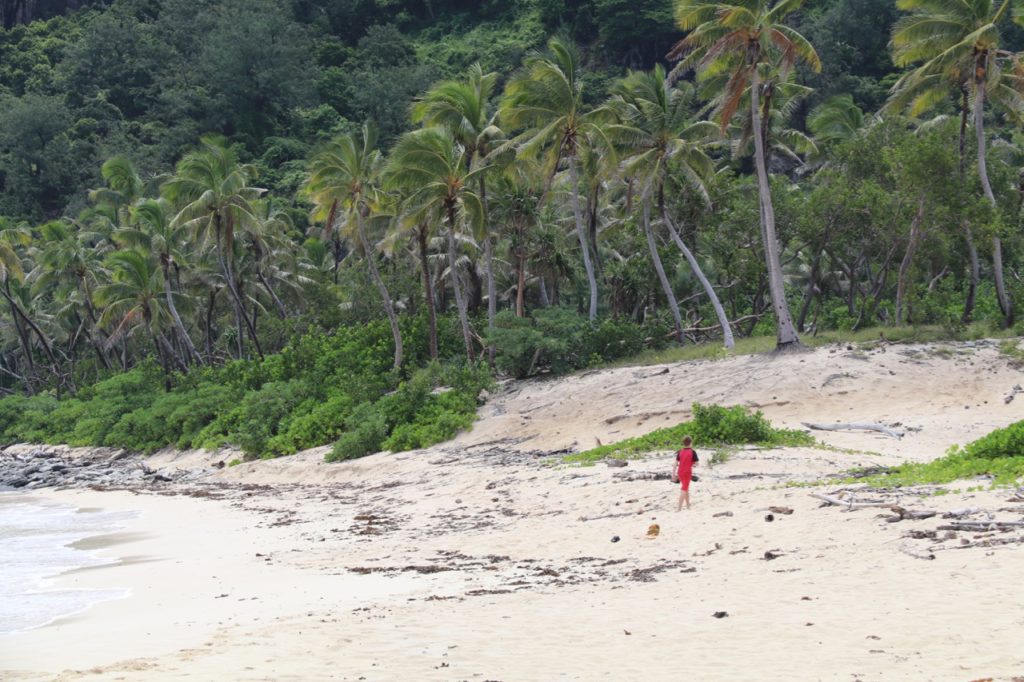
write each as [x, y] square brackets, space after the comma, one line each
[279, 223]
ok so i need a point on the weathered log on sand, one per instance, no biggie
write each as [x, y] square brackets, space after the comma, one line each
[855, 426]
[851, 504]
[917, 555]
[982, 526]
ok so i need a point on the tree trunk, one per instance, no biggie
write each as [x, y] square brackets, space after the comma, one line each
[281, 311]
[812, 286]
[695, 266]
[1005, 304]
[229, 277]
[91, 311]
[666, 286]
[492, 296]
[460, 297]
[23, 338]
[389, 309]
[975, 275]
[521, 284]
[545, 301]
[903, 279]
[581, 233]
[786, 333]
[209, 324]
[428, 289]
[178, 324]
[32, 325]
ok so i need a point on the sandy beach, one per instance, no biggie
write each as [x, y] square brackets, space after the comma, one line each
[486, 558]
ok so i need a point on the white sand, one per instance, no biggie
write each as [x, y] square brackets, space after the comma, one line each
[472, 566]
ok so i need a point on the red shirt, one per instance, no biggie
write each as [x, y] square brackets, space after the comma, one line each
[686, 457]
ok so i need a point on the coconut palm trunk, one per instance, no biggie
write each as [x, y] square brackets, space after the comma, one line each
[389, 308]
[229, 276]
[492, 296]
[709, 290]
[1005, 304]
[178, 324]
[786, 333]
[673, 304]
[428, 288]
[581, 233]
[460, 296]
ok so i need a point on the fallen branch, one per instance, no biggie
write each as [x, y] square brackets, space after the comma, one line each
[982, 526]
[851, 504]
[917, 555]
[855, 426]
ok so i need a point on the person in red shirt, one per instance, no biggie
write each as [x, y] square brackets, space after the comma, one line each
[683, 471]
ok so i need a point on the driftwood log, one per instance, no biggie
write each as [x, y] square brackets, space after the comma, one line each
[851, 504]
[855, 426]
[917, 555]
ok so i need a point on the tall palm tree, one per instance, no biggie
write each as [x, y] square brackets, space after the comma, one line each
[463, 107]
[215, 195]
[343, 184]
[13, 238]
[748, 39]
[958, 43]
[157, 233]
[656, 128]
[432, 169]
[546, 99]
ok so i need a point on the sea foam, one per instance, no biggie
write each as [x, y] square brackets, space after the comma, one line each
[35, 546]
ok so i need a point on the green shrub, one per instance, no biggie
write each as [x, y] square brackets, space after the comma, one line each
[365, 431]
[712, 425]
[999, 454]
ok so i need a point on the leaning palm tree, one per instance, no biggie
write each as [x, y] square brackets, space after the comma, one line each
[343, 184]
[214, 193]
[14, 238]
[463, 107]
[661, 139]
[748, 39]
[959, 43]
[65, 258]
[431, 168]
[546, 99]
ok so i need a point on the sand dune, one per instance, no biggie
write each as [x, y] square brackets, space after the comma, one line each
[485, 559]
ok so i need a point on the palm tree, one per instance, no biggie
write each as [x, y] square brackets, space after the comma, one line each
[12, 239]
[343, 184]
[132, 300]
[432, 169]
[546, 99]
[661, 139]
[958, 43]
[837, 119]
[214, 193]
[463, 108]
[157, 233]
[66, 257]
[748, 39]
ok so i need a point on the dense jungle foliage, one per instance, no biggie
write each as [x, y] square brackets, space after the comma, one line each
[284, 223]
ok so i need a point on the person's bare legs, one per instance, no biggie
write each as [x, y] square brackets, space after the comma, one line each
[686, 494]
[682, 498]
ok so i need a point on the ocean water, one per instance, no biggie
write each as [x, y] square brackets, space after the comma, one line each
[35, 546]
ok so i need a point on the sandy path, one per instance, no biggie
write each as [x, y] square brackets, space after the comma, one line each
[472, 562]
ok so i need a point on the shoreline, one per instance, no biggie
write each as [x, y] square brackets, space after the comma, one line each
[478, 559]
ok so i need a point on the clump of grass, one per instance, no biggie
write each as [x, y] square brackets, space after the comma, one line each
[999, 455]
[712, 425]
[1011, 348]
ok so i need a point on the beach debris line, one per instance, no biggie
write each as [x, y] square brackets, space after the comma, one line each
[855, 426]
